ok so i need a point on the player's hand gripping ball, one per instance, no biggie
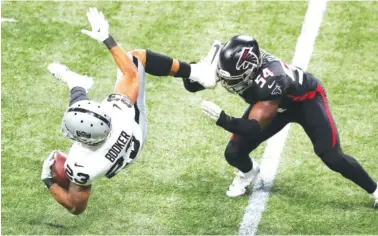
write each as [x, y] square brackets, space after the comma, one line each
[58, 170]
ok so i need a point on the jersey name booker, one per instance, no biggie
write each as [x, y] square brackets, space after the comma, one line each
[88, 163]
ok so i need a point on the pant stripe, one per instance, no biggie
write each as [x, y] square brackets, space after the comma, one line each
[320, 90]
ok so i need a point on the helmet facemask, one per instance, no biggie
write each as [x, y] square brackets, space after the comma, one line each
[248, 62]
[238, 83]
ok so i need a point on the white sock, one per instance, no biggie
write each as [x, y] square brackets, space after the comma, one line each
[375, 194]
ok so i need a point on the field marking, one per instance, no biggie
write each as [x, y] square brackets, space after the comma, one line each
[8, 20]
[275, 145]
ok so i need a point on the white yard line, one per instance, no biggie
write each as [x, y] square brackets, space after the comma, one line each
[274, 147]
[8, 20]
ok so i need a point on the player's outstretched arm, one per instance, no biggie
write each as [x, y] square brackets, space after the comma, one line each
[74, 199]
[260, 115]
[162, 65]
[129, 85]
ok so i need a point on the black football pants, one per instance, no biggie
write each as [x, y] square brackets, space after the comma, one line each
[316, 119]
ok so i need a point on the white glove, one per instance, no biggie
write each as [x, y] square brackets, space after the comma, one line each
[100, 26]
[211, 109]
[203, 74]
[46, 168]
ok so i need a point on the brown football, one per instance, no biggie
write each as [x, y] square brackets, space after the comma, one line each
[58, 171]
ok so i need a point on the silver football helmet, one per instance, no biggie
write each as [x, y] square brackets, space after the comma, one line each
[86, 122]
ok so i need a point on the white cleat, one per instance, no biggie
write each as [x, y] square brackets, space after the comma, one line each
[243, 180]
[72, 79]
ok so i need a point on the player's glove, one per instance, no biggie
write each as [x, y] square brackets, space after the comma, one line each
[204, 72]
[204, 75]
[211, 109]
[100, 26]
[46, 168]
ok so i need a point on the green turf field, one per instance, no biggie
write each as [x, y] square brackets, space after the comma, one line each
[177, 186]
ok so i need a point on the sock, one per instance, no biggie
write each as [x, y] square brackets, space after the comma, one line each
[375, 193]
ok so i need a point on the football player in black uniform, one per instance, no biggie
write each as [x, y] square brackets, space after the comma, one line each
[277, 94]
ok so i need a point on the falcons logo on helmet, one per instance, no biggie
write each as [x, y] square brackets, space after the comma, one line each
[247, 59]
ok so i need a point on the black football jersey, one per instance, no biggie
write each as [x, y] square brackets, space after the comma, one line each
[278, 80]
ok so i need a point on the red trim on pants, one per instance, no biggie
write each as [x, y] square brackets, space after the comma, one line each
[308, 95]
[320, 90]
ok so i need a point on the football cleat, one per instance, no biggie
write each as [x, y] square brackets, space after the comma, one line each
[243, 180]
[72, 79]
[204, 72]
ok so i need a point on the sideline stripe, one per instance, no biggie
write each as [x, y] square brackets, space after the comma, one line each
[275, 145]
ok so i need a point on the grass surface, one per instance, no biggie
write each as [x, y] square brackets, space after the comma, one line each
[177, 186]
[307, 197]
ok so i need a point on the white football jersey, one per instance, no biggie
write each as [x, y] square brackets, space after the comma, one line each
[88, 163]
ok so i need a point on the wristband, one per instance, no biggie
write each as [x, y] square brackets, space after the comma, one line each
[184, 70]
[110, 42]
[48, 182]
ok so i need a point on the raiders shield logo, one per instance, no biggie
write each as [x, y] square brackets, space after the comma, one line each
[82, 134]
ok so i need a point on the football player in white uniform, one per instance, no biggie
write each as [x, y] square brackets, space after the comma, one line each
[109, 135]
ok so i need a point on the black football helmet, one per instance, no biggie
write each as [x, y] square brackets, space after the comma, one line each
[239, 62]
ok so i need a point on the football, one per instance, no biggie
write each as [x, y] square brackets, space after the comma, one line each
[58, 171]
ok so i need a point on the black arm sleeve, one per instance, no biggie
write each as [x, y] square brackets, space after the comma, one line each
[238, 126]
[192, 86]
[78, 94]
[160, 65]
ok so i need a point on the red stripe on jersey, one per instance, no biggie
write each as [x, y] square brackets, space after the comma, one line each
[320, 89]
[308, 95]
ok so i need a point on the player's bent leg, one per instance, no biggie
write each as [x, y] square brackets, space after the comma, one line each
[348, 167]
[237, 155]
[317, 121]
[239, 147]
[69, 77]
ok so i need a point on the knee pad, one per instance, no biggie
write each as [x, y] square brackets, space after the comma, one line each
[231, 153]
[238, 158]
[331, 156]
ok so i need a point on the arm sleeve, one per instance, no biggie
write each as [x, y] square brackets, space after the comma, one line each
[160, 65]
[78, 94]
[157, 64]
[240, 126]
